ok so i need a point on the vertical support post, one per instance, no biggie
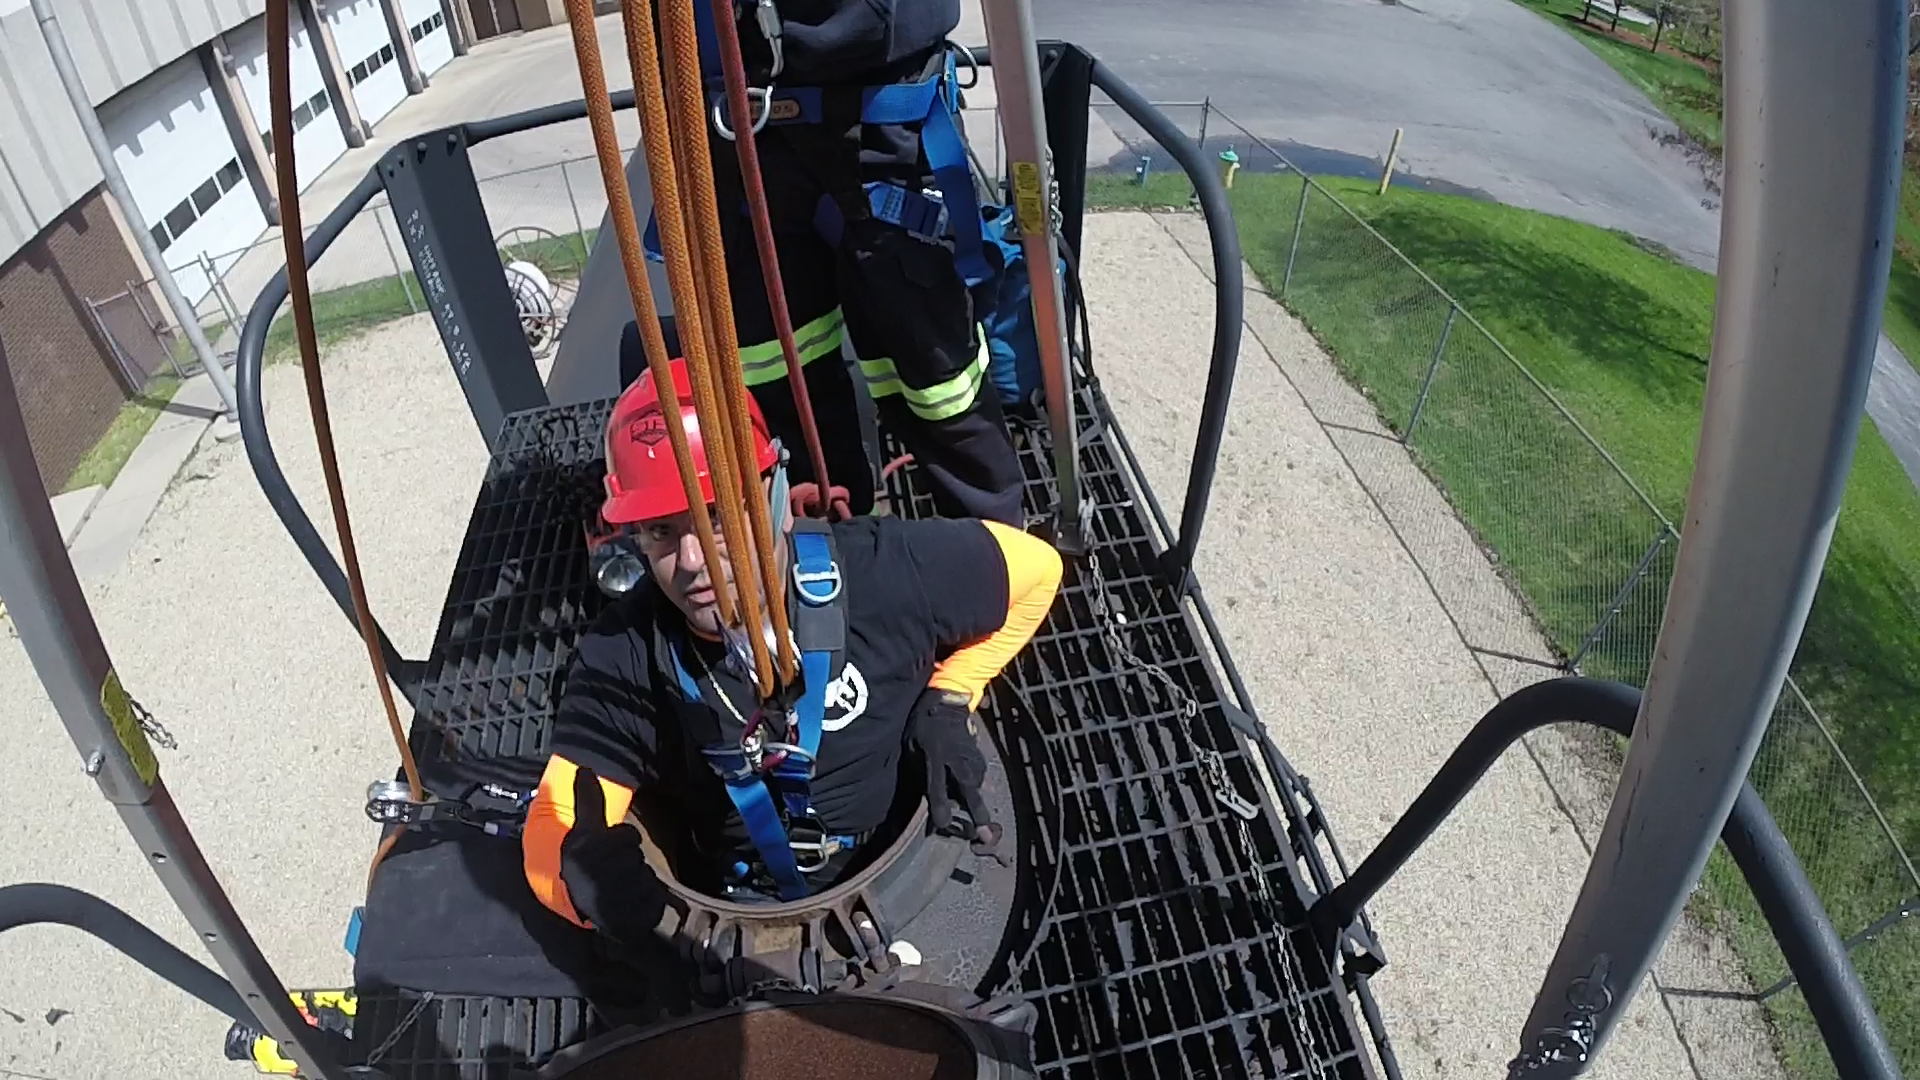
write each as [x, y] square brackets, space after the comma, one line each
[153, 327]
[216, 62]
[1433, 368]
[1815, 110]
[436, 206]
[116, 182]
[1206, 110]
[397, 30]
[1620, 599]
[459, 25]
[1393, 156]
[50, 612]
[326, 54]
[573, 204]
[1293, 248]
[1016, 80]
[394, 261]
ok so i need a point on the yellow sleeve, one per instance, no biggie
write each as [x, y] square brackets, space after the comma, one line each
[548, 821]
[1033, 577]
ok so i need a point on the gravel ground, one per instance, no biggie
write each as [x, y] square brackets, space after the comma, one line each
[216, 624]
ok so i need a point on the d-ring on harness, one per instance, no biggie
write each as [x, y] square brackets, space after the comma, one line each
[776, 803]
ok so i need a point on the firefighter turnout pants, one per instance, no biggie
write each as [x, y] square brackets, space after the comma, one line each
[894, 294]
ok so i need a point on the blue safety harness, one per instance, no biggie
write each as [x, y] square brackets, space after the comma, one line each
[776, 804]
[933, 103]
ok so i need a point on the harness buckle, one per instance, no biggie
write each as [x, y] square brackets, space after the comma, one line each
[805, 583]
[812, 847]
[763, 95]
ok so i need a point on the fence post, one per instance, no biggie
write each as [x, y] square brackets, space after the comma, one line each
[1293, 249]
[1206, 107]
[153, 327]
[1619, 599]
[1433, 368]
[398, 270]
[579, 227]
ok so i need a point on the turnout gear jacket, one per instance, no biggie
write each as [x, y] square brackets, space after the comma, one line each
[936, 603]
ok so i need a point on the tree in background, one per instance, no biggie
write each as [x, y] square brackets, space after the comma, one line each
[1696, 27]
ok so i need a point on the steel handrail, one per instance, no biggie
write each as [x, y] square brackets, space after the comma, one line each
[1814, 952]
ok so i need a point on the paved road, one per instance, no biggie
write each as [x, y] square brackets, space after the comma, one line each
[1492, 96]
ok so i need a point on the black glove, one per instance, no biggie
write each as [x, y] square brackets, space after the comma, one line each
[942, 728]
[605, 872]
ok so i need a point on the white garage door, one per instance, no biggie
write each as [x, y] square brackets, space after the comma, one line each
[318, 140]
[171, 142]
[366, 51]
[427, 26]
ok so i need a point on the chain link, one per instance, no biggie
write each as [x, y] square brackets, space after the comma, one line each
[154, 728]
[1111, 619]
[406, 1022]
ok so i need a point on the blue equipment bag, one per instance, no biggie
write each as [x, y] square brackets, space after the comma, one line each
[1006, 317]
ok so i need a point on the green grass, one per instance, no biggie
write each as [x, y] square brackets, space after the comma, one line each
[108, 456]
[1683, 89]
[1620, 335]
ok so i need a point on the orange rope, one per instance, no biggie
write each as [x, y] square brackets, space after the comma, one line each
[606, 146]
[280, 108]
[697, 336]
[690, 115]
[751, 182]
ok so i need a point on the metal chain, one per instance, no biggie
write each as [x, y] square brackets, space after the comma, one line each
[393, 1037]
[1111, 619]
[155, 729]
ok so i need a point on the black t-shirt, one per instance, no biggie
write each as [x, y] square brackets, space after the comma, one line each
[914, 592]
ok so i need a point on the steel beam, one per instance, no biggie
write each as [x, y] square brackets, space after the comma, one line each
[436, 203]
[1815, 102]
[50, 612]
[1016, 81]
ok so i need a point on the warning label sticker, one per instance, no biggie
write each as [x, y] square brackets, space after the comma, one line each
[1029, 202]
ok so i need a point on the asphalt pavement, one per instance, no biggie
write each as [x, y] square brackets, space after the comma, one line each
[1492, 96]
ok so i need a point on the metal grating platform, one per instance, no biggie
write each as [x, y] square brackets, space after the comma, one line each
[1158, 955]
[520, 594]
[1166, 933]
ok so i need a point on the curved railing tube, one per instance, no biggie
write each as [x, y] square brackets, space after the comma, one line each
[1813, 950]
[38, 904]
[259, 445]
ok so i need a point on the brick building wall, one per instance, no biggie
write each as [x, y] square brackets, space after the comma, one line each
[70, 384]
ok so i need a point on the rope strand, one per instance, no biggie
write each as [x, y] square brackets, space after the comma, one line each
[626, 233]
[280, 108]
[747, 150]
[690, 116]
[673, 189]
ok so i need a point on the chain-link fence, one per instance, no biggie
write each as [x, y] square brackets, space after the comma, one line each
[1583, 557]
[543, 218]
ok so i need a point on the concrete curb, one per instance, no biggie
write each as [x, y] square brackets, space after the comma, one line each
[106, 532]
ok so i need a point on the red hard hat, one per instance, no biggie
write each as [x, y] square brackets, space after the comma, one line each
[642, 480]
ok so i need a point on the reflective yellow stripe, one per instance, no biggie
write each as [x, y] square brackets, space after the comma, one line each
[941, 401]
[764, 363]
[882, 379]
[948, 399]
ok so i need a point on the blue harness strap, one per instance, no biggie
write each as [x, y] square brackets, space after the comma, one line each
[934, 104]
[770, 804]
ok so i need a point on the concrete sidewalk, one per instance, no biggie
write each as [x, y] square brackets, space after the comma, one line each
[115, 520]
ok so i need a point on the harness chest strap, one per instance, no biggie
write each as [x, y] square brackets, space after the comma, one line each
[820, 630]
[934, 104]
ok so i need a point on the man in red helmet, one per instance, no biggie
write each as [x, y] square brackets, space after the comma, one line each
[899, 626]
